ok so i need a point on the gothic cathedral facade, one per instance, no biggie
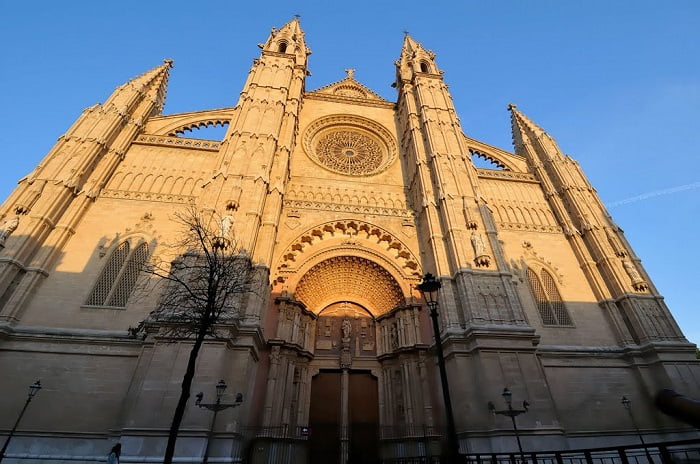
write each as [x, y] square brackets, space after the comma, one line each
[343, 200]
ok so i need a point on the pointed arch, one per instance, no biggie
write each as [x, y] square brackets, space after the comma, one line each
[548, 300]
[554, 297]
[109, 275]
[118, 278]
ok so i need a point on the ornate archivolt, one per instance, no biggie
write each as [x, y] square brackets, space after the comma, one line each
[349, 278]
[348, 237]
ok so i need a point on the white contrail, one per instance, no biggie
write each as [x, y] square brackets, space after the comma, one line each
[655, 193]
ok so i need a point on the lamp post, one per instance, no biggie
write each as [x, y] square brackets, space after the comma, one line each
[33, 390]
[627, 404]
[216, 407]
[429, 289]
[512, 413]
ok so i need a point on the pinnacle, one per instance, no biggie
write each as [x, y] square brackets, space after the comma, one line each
[409, 44]
[153, 81]
[522, 125]
[294, 25]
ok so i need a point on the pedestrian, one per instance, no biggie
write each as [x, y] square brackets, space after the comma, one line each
[113, 457]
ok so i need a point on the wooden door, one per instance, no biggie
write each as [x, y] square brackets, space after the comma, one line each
[324, 418]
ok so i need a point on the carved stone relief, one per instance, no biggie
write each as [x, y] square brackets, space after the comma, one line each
[347, 329]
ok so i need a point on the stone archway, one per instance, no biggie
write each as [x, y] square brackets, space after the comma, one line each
[346, 357]
[347, 293]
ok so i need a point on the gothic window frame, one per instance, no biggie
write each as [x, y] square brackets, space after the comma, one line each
[117, 279]
[547, 298]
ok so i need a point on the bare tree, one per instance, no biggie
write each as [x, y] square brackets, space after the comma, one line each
[201, 293]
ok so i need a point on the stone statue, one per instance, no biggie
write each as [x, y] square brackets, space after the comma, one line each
[631, 270]
[226, 224]
[346, 328]
[394, 336]
[638, 283]
[478, 244]
[481, 258]
[7, 228]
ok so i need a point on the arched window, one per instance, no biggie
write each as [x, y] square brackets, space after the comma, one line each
[282, 47]
[118, 277]
[424, 67]
[549, 303]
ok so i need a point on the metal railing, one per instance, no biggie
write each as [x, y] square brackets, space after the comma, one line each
[286, 445]
[676, 452]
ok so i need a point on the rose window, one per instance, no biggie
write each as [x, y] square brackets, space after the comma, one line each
[350, 145]
[349, 152]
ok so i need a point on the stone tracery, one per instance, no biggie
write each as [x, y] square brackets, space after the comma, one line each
[350, 145]
[349, 152]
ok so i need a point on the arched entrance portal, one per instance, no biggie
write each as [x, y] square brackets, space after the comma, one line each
[347, 294]
[346, 362]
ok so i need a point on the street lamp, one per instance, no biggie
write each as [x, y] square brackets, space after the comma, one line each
[216, 407]
[33, 390]
[429, 289]
[512, 413]
[627, 404]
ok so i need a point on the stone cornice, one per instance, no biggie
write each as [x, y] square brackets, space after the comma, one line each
[179, 142]
[345, 208]
[506, 175]
[147, 196]
[350, 100]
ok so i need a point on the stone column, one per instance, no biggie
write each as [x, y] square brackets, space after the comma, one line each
[344, 417]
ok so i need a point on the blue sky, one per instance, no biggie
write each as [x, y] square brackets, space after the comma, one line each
[617, 83]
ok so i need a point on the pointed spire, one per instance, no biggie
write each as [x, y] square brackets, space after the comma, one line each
[152, 83]
[289, 39]
[522, 127]
[414, 59]
[410, 46]
[527, 132]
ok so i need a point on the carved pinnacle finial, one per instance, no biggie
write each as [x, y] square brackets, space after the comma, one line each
[169, 62]
[297, 16]
[405, 32]
[350, 72]
[512, 106]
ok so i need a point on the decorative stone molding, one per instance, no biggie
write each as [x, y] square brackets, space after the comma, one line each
[530, 227]
[347, 99]
[495, 174]
[350, 145]
[531, 256]
[351, 91]
[344, 208]
[146, 196]
[357, 230]
[180, 142]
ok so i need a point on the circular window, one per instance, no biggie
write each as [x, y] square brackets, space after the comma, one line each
[350, 145]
